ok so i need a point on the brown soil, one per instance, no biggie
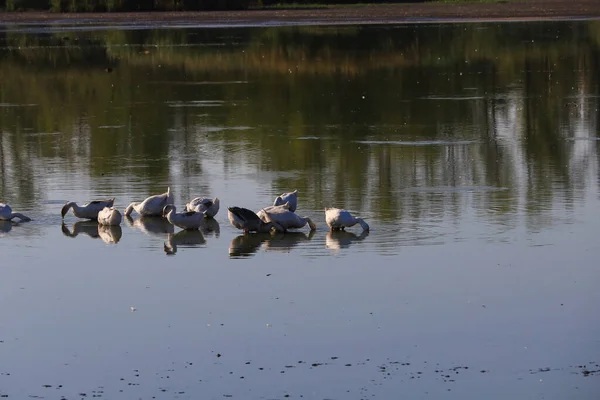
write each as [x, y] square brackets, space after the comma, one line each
[375, 14]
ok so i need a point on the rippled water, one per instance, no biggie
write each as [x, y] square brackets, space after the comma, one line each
[472, 154]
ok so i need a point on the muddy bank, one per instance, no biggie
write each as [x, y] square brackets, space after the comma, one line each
[375, 14]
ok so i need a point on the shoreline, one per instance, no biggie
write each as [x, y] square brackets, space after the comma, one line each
[524, 10]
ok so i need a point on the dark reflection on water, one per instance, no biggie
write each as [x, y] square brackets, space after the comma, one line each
[108, 234]
[185, 238]
[157, 226]
[342, 239]
[6, 226]
[248, 244]
[211, 227]
[88, 228]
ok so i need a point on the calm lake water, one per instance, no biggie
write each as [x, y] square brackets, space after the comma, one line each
[472, 150]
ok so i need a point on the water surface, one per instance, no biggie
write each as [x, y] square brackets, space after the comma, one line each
[470, 149]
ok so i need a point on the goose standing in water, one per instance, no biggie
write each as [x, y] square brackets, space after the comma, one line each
[204, 205]
[248, 221]
[152, 205]
[185, 220]
[6, 214]
[291, 197]
[87, 211]
[338, 219]
[109, 216]
[283, 216]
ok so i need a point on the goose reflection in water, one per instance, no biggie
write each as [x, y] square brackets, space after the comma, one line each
[5, 226]
[109, 234]
[247, 245]
[185, 238]
[285, 242]
[211, 227]
[153, 226]
[336, 240]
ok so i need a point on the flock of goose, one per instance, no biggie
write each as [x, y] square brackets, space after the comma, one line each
[279, 217]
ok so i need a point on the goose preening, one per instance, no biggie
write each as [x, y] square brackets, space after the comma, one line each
[6, 214]
[87, 211]
[204, 205]
[110, 216]
[185, 220]
[338, 219]
[291, 197]
[248, 221]
[152, 205]
[283, 216]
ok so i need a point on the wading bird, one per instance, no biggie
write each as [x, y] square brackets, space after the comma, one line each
[110, 216]
[283, 216]
[338, 219]
[248, 221]
[6, 214]
[152, 205]
[291, 197]
[184, 220]
[87, 211]
[208, 207]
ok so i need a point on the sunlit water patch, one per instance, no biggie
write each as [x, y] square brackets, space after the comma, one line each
[195, 103]
[419, 142]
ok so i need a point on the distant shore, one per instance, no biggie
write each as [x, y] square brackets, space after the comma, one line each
[520, 10]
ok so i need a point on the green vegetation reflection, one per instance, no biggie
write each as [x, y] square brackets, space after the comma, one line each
[361, 115]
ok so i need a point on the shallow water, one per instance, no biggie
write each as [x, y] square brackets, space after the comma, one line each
[472, 153]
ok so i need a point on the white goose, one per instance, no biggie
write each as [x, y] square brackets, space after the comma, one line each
[6, 214]
[248, 221]
[152, 205]
[291, 197]
[338, 219]
[204, 205]
[87, 211]
[185, 220]
[109, 216]
[285, 217]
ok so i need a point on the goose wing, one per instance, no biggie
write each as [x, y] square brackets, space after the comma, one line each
[103, 203]
[281, 215]
[244, 214]
[199, 204]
